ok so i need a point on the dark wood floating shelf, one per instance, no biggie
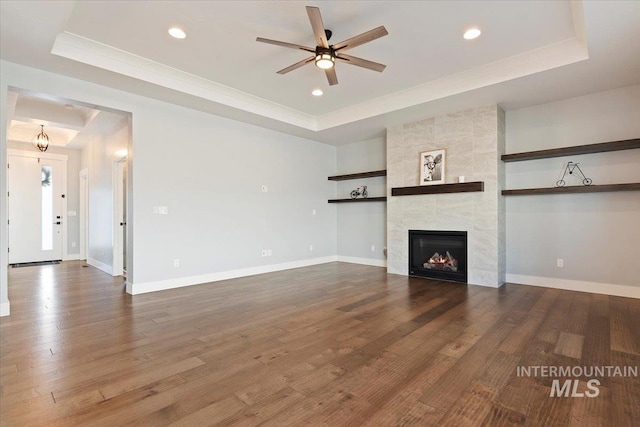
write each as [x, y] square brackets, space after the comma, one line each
[627, 144]
[358, 175]
[463, 187]
[635, 186]
[368, 199]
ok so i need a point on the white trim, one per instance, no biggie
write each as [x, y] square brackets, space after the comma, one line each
[576, 285]
[73, 257]
[161, 285]
[36, 154]
[363, 261]
[75, 47]
[83, 187]
[100, 266]
[5, 309]
[118, 201]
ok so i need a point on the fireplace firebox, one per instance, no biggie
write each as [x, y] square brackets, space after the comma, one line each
[438, 254]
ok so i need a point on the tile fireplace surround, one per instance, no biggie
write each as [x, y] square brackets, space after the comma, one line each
[474, 140]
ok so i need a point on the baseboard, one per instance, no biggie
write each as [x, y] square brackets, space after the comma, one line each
[576, 285]
[100, 266]
[5, 309]
[72, 257]
[363, 261]
[143, 288]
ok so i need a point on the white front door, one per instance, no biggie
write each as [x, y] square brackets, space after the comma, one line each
[35, 209]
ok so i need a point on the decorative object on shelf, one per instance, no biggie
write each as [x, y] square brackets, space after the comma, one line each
[571, 168]
[41, 140]
[432, 165]
[360, 191]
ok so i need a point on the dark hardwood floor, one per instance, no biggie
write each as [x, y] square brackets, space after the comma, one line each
[336, 344]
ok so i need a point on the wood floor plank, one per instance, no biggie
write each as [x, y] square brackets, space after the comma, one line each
[335, 344]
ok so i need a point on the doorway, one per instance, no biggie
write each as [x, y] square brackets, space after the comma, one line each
[36, 206]
[120, 218]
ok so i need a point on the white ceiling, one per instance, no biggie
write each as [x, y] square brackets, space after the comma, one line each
[529, 52]
[67, 123]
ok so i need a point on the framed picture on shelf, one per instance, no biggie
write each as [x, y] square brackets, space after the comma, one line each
[432, 164]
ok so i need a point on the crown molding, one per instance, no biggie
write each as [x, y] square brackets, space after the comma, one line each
[91, 52]
[81, 49]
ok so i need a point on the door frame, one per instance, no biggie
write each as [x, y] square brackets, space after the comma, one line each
[63, 185]
[83, 187]
[118, 201]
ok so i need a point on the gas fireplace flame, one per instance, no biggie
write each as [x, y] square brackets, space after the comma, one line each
[442, 262]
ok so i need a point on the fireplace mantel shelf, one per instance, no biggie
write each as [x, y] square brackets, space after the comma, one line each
[463, 187]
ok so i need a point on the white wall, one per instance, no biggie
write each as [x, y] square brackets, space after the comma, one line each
[362, 225]
[208, 171]
[100, 156]
[4, 122]
[597, 235]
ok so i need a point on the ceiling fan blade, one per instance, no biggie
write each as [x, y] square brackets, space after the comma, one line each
[363, 38]
[370, 65]
[331, 76]
[318, 26]
[297, 65]
[285, 44]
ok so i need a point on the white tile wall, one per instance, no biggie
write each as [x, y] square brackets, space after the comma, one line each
[474, 140]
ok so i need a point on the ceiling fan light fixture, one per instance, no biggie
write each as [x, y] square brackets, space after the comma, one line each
[325, 61]
[41, 140]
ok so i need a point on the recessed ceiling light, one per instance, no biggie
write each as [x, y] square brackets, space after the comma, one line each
[472, 33]
[177, 33]
[317, 92]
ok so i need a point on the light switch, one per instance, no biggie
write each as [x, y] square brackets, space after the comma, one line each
[163, 210]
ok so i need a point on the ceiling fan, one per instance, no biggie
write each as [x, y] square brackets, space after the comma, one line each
[326, 55]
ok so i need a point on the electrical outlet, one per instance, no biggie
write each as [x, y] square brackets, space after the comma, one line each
[560, 262]
[176, 262]
[264, 252]
[265, 188]
[310, 248]
[163, 210]
[269, 252]
[373, 248]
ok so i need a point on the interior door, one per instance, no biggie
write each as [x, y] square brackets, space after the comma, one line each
[35, 209]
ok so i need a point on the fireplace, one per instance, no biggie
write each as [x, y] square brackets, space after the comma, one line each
[438, 254]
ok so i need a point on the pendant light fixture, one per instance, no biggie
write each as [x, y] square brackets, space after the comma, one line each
[41, 140]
